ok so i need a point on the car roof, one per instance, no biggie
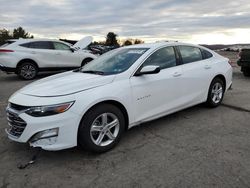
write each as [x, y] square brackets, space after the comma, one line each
[21, 40]
[160, 44]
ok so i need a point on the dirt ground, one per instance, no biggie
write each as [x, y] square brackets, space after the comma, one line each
[197, 147]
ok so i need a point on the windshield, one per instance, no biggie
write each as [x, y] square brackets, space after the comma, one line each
[114, 62]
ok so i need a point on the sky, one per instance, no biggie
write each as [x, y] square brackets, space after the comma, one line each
[194, 21]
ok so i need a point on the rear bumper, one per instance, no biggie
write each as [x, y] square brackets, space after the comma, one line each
[7, 69]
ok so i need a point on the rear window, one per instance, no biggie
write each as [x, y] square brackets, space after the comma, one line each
[38, 45]
[26, 45]
[7, 43]
[190, 54]
[206, 54]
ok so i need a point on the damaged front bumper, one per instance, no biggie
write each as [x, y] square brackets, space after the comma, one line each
[49, 133]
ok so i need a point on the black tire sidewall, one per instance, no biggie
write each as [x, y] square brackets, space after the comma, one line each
[84, 138]
[209, 101]
[23, 64]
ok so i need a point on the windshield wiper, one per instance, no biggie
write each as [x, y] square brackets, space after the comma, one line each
[93, 72]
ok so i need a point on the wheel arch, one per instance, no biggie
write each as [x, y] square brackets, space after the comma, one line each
[222, 77]
[27, 60]
[115, 103]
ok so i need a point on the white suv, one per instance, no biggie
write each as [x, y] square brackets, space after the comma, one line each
[93, 105]
[26, 57]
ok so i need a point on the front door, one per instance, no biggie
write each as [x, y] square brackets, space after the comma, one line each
[157, 94]
[64, 56]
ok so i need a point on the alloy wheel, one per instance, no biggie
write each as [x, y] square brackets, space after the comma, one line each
[217, 92]
[28, 71]
[104, 129]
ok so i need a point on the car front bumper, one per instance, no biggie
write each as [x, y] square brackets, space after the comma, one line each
[29, 129]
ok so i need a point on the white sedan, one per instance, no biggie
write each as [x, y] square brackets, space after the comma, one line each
[27, 57]
[94, 105]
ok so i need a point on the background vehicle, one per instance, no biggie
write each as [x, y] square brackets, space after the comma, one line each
[244, 61]
[27, 57]
[93, 105]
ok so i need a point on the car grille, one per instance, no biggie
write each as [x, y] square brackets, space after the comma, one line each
[17, 124]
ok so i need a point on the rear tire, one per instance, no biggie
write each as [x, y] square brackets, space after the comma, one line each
[101, 128]
[246, 71]
[215, 93]
[27, 71]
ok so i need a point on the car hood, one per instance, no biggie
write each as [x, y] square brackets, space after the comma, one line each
[65, 84]
[83, 43]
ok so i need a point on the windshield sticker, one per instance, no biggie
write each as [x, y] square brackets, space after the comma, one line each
[136, 51]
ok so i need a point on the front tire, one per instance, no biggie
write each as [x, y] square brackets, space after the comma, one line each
[101, 128]
[215, 93]
[27, 71]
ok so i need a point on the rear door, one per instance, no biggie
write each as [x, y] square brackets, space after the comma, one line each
[156, 94]
[196, 75]
[42, 52]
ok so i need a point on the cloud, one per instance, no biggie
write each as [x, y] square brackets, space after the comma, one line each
[162, 19]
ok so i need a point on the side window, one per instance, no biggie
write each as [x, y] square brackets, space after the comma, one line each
[41, 45]
[190, 54]
[26, 45]
[164, 58]
[60, 46]
[206, 54]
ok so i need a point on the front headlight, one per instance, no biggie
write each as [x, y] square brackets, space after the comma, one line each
[39, 111]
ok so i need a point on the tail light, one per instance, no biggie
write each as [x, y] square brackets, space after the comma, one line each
[5, 50]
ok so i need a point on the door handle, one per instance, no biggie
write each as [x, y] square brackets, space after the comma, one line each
[33, 52]
[176, 74]
[207, 67]
[58, 53]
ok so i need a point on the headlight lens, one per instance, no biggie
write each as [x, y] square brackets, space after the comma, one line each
[39, 111]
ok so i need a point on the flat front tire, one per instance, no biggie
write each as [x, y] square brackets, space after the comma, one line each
[27, 71]
[215, 93]
[101, 128]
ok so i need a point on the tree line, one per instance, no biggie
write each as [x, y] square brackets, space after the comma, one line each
[14, 34]
[111, 37]
[111, 40]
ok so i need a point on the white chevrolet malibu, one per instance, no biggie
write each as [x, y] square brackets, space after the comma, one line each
[93, 105]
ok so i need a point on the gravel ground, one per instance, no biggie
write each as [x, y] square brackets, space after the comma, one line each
[197, 147]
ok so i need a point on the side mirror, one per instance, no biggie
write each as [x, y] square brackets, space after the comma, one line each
[150, 69]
